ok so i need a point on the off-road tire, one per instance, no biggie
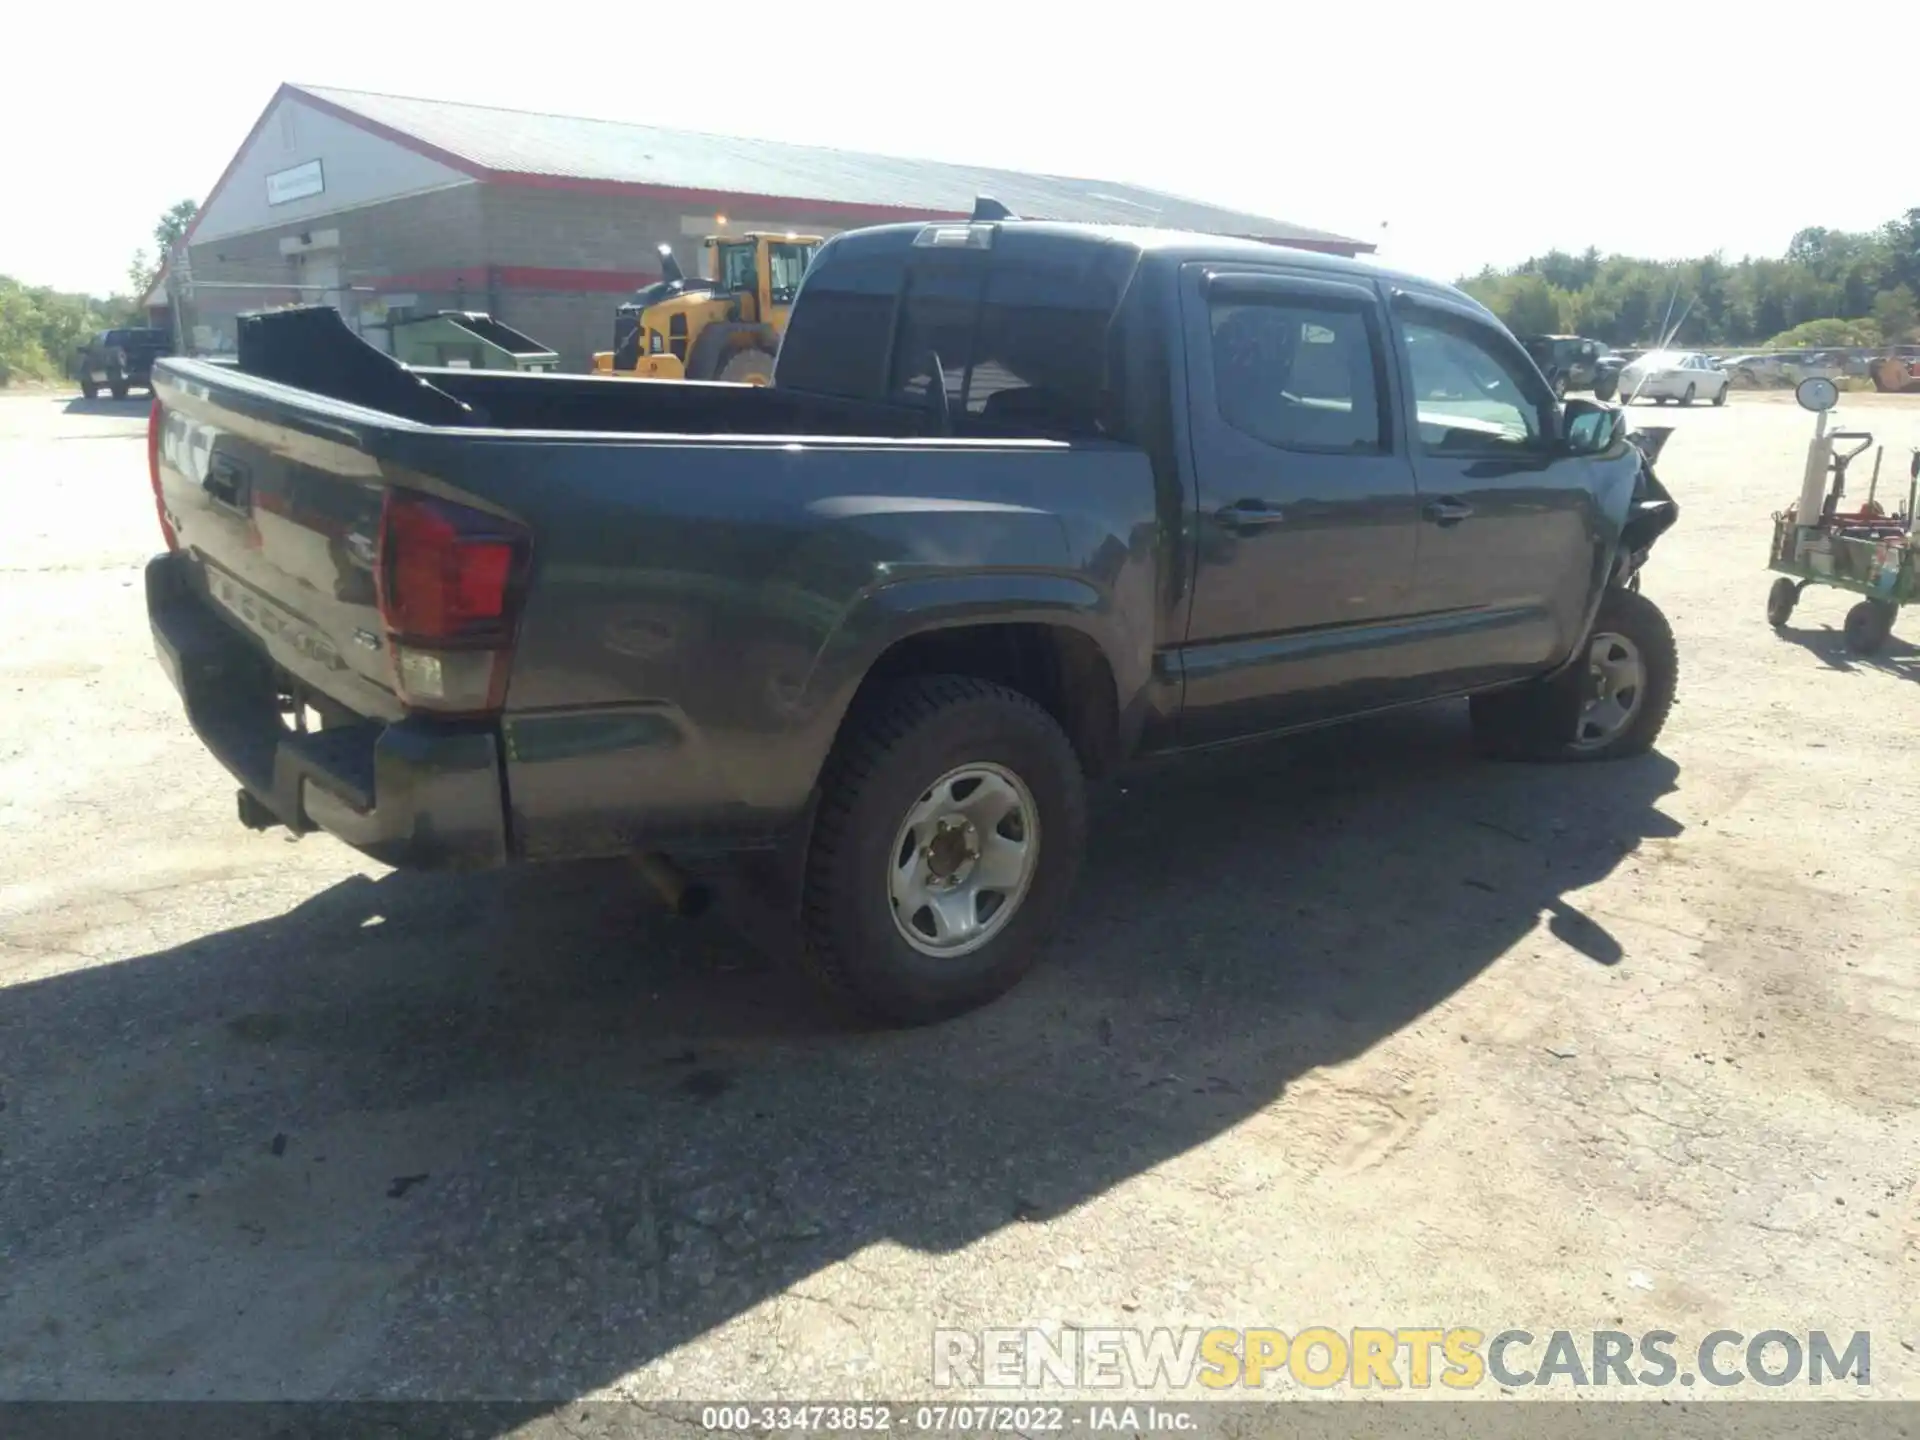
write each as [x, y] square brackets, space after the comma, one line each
[1537, 721]
[1783, 595]
[751, 366]
[119, 389]
[895, 745]
[89, 389]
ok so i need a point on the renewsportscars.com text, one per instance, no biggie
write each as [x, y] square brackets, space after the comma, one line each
[1364, 1358]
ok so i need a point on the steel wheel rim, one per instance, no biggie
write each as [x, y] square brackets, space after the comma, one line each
[963, 859]
[1616, 688]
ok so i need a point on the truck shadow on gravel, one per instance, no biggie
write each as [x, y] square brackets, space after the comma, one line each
[134, 407]
[515, 1136]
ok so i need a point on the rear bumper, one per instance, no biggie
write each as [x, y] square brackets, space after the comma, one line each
[415, 794]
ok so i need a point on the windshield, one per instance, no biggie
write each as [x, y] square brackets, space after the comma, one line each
[788, 261]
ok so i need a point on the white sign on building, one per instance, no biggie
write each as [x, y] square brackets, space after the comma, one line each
[295, 183]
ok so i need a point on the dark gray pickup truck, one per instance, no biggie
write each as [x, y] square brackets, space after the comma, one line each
[1024, 501]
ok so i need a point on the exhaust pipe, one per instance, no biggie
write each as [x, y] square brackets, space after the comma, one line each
[680, 892]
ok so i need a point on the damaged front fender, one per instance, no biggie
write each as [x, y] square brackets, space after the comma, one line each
[1650, 513]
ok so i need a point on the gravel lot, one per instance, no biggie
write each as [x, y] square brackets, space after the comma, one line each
[1350, 1030]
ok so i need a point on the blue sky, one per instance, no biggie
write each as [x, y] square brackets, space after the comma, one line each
[1473, 133]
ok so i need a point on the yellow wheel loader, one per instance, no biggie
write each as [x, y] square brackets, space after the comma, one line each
[724, 328]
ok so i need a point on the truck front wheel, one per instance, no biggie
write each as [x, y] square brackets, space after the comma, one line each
[951, 819]
[1608, 704]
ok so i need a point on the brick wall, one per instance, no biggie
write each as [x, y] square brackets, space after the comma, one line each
[422, 240]
[572, 325]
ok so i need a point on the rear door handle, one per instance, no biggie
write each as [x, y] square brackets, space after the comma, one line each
[1447, 511]
[1249, 514]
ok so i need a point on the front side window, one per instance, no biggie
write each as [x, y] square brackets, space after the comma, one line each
[1297, 375]
[1466, 393]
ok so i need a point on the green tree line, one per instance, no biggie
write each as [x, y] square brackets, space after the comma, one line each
[42, 329]
[1832, 287]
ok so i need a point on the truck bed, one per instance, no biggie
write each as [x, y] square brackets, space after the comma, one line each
[712, 569]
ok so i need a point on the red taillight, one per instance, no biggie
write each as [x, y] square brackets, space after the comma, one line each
[153, 475]
[448, 581]
[442, 582]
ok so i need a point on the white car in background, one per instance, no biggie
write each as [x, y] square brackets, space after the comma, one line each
[1683, 375]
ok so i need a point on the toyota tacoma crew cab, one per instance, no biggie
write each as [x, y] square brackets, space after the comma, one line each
[1025, 501]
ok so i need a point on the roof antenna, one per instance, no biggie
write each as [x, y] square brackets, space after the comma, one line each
[985, 207]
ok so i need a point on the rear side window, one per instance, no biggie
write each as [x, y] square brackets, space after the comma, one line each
[1297, 375]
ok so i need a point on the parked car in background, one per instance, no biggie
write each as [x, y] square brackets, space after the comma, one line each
[1757, 369]
[120, 359]
[1790, 367]
[1683, 375]
[1572, 363]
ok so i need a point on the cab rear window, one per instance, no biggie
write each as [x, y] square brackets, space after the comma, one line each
[1020, 330]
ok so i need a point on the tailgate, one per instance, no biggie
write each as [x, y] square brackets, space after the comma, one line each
[278, 523]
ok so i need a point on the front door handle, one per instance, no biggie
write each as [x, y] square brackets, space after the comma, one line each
[1447, 511]
[1249, 514]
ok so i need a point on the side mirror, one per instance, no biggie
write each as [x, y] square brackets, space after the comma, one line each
[1592, 428]
[1817, 393]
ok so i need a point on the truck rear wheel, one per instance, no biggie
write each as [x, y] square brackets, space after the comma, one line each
[951, 819]
[89, 389]
[1609, 704]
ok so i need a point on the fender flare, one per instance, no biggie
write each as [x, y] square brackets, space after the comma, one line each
[720, 340]
[884, 616]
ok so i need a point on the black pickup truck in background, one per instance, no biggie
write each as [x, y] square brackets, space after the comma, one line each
[1025, 501]
[119, 359]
